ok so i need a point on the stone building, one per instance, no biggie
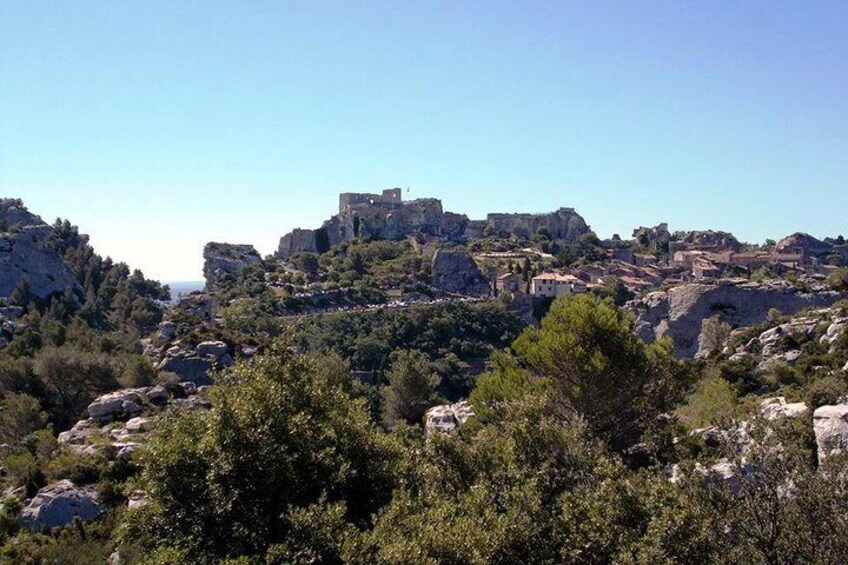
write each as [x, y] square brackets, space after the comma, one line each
[555, 285]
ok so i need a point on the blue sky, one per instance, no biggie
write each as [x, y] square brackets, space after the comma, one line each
[158, 126]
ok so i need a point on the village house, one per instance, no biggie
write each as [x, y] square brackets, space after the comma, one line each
[555, 285]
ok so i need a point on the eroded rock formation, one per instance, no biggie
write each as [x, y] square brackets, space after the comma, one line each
[679, 312]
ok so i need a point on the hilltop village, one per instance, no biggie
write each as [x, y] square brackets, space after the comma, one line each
[540, 256]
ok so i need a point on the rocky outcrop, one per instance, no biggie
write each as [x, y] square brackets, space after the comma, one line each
[777, 408]
[14, 215]
[26, 248]
[113, 431]
[653, 239]
[454, 270]
[565, 224]
[222, 259]
[712, 240]
[194, 364]
[805, 244]
[299, 241]
[59, 504]
[679, 312]
[446, 418]
[784, 342]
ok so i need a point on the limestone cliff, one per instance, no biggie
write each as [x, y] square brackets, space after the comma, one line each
[679, 312]
[221, 259]
[565, 224]
[454, 270]
[26, 248]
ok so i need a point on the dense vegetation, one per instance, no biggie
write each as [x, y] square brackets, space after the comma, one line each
[289, 468]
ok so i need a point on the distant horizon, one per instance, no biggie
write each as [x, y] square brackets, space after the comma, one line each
[159, 126]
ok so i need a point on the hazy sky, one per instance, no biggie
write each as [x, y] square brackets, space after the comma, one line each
[158, 126]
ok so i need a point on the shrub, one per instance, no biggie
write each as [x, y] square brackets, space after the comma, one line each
[823, 391]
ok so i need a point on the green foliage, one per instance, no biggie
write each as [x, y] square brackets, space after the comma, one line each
[224, 483]
[826, 390]
[712, 403]
[138, 372]
[613, 289]
[468, 332]
[22, 470]
[838, 280]
[20, 416]
[588, 348]
[507, 382]
[411, 389]
[714, 333]
[72, 378]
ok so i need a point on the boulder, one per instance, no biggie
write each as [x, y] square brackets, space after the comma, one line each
[167, 331]
[116, 404]
[776, 408]
[454, 270]
[835, 331]
[446, 418]
[138, 425]
[194, 365]
[830, 424]
[59, 504]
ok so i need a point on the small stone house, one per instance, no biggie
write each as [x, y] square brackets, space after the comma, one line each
[555, 285]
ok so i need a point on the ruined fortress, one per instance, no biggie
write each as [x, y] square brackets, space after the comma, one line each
[387, 216]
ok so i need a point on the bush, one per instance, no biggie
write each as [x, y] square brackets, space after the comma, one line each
[824, 391]
[138, 372]
[713, 402]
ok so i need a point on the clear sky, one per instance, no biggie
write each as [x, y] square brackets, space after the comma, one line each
[158, 126]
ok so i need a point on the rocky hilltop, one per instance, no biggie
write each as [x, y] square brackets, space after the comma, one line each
[387, 217]
[679, 312]
[27, 249]
[222, 259]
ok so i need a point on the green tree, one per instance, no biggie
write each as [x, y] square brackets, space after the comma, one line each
[411, 389]
[714, 333]
[588, 348]
[72, 378]
[20, 415]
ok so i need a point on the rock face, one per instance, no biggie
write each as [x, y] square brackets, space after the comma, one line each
[564, 224]
[679, 312]
[299, 241]
[805, 244]
[193, 365]
[713, 240]
[655, 238]
[26, 248]
[454, 270]
[221, 259]
[830, 424]
[58, 504]
[445, 419]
